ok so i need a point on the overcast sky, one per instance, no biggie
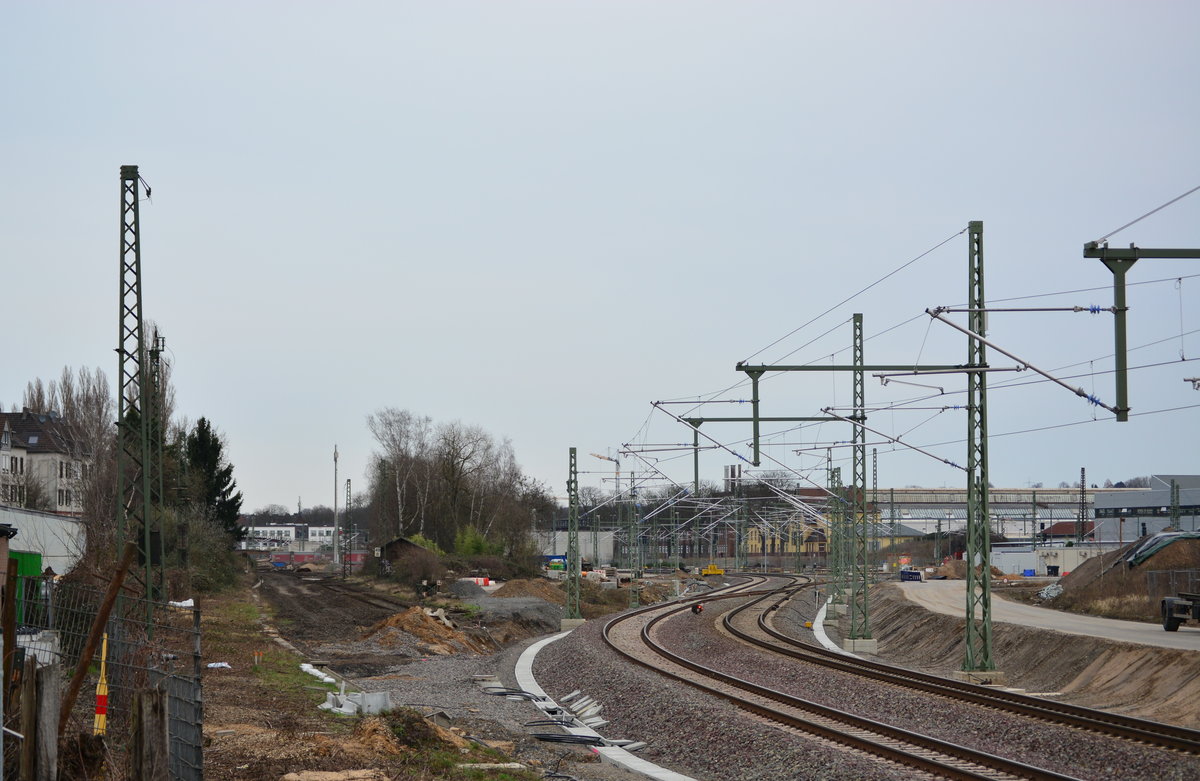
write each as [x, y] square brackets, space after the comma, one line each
[540, 217]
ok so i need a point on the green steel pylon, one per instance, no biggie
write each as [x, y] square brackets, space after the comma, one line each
[138, 487]
[978, 657]
[573, 562]
[860, 576]
[834, 546]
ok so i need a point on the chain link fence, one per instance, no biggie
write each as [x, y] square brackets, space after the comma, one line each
[149, 644]
[1170, 582]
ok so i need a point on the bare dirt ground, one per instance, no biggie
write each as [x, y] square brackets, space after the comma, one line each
[263, 724]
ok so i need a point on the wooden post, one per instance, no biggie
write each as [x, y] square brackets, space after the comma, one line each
[9, 620]
[89, 648]
[29, 719]
[49, 695]
[151, 747]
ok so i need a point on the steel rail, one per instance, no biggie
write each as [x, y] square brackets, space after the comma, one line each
[1153, 733]
[856, 732]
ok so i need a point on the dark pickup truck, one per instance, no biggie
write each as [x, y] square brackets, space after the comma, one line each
[1177, 609]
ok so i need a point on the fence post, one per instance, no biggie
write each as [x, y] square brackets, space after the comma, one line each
[29, 719]
[49, 694]
[89, 648]
[9, 619]
[150, 746]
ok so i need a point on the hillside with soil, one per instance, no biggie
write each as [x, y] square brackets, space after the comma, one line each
[1153, 683]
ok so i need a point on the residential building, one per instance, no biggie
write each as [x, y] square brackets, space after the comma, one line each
[41, 452]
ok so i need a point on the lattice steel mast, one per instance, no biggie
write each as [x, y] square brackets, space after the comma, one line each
[138, 493]
[573, 562]
[978, 656]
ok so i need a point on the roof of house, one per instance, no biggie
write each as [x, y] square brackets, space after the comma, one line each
[40, 432]
[1065, 529]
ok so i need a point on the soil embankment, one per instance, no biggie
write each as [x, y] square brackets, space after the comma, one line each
[1152, 683]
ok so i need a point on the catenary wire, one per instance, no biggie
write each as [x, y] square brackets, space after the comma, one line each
[1147, 214]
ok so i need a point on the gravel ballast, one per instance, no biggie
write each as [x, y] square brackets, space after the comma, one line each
[707, 738]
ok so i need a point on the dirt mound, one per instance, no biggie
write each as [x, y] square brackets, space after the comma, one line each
[541, 588]
[1107, 586]
[956, 569]
[1152, 683]
[431, 634]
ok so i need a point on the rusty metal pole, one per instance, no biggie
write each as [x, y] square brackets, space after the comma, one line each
[89, 648]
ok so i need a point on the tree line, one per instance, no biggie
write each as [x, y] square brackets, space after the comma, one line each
[201, 503]
[450, 482]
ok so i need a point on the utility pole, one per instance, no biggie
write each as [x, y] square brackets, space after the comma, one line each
[739, 528]
[978, 657]
[158, 429]
[139, 496]
[860, 581]
[635, 544]
[1119, 262]
[337, 530]
[1082, 504]
[834, 543]
[574, 565]
[348, 538]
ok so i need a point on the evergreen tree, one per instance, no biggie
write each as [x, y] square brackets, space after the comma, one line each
[212, 478]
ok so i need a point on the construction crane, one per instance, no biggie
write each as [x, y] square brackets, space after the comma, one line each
[596, 516]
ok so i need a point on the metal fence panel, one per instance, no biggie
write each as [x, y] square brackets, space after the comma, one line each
[1168, 583]
[148, 644]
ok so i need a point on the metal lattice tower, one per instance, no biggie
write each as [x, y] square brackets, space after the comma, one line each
[1082, 504]
[834, 546]
[337, 528]
[860, 576]
[157, 432]
[574, 565]
[978, 655]
[739, 532]
[635, 543]
[137, 490]
[347, 538]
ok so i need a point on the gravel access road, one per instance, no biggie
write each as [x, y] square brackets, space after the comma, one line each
[948, 597]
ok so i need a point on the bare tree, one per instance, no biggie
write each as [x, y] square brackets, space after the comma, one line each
[406, 440]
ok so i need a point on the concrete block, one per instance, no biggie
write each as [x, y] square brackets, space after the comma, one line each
[984, 677]
[861, 645]
[567, 624]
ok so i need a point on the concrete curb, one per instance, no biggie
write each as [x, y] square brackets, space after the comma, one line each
[612, 754]
[822, 638]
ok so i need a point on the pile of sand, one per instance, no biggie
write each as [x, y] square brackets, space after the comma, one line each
[956, 569]
[432, 635]
[540, 588]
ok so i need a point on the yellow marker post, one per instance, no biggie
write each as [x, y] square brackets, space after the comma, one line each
[100, 724]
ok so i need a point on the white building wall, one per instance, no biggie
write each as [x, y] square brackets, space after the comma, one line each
[59, 538]
[555, 543]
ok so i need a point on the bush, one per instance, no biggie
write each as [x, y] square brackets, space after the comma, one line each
[212, 562]
[470, 542]
[415, 565]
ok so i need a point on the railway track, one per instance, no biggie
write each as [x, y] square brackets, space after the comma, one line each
[374, 600]
[752, 623]
[634, 636]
